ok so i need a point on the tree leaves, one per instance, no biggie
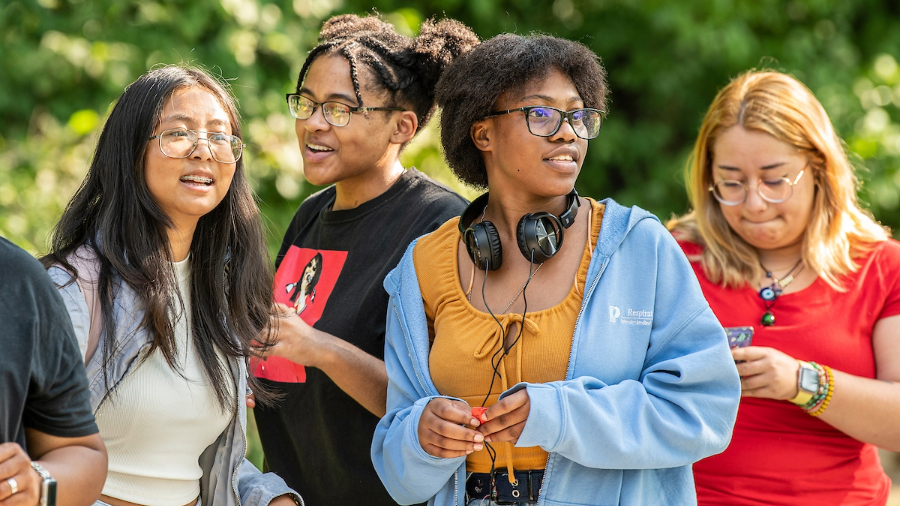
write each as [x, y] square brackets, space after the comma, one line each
[63, 62]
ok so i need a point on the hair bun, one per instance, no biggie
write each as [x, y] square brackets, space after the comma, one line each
[346, 25]
[408, 69]
[437, 45]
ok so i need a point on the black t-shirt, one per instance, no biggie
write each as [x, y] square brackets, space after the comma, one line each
[331, 268]
[42, 380]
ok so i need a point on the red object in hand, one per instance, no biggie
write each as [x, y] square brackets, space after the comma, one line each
[478, 412]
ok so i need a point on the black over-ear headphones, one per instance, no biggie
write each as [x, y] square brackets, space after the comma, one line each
[537, 233]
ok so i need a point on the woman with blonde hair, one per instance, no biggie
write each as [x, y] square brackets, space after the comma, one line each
[807, 285]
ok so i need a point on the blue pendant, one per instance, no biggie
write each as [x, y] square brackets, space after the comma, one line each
[768, 294]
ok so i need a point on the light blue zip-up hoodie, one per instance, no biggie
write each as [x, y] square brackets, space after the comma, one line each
[651, 386]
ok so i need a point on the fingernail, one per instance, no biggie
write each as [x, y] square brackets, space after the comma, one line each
[479, 447]
[469, 451]
[479, 438]
[474, 423]
[488, 439]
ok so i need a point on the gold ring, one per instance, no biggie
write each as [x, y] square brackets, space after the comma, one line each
[13, 485]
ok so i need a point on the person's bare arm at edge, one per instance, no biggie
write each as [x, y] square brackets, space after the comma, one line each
[865, 409]
[78, 464]
[359, 374]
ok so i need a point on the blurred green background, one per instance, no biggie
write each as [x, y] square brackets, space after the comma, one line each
[63, 62]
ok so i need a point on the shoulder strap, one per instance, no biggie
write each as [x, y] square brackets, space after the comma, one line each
[84, 259]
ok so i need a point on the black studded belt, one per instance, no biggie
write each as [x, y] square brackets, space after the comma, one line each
[525, 488]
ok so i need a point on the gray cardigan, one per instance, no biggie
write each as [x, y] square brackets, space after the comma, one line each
[228, 479]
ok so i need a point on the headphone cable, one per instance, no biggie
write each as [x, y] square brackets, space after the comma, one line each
[505, 351]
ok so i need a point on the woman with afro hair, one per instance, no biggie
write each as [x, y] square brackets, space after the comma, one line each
[603, 372]
[363, 93]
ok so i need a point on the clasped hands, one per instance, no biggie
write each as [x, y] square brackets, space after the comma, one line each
[447, 428]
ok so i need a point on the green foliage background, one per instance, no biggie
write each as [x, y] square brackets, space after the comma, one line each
[63, 62]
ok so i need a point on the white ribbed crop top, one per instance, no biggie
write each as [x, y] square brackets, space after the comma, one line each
[158, 422]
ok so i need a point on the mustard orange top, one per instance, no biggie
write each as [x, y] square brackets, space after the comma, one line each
[465, 339]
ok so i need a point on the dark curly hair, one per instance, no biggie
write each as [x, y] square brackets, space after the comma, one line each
[471, 86]
[407, 69]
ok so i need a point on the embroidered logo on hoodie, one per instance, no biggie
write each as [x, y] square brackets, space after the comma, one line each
[631, 316]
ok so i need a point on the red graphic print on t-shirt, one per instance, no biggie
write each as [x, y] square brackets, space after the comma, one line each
[304, 281]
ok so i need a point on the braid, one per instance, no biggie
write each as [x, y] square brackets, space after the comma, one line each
[315, 53]
[404, 62]
[406, 69]
[347, 51]
[385, 74]
[378, 56]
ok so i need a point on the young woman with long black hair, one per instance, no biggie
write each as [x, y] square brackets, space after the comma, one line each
[161, 260]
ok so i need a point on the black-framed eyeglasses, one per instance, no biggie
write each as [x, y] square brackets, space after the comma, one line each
[545, 121]
[336, 113]
[181, 142]
[731, 193]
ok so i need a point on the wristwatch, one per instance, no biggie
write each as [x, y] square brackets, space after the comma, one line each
[48, 485]
[807, 383]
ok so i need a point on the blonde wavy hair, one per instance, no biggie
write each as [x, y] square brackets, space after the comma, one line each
[839, 232]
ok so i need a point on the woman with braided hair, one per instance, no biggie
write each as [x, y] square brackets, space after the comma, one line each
[362, 95]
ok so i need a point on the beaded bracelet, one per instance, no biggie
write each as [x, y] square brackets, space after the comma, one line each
[820, 391]
[828, 395]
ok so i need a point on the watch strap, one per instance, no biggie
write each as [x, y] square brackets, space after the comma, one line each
[41, 471]
[803, 396]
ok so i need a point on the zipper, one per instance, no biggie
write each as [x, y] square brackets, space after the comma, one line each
[456, 487]
[234, 472]
[546, 474]
[239, 396]
[584, 301]
[587, 295]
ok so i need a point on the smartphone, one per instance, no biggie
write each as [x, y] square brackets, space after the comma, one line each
[739, 337]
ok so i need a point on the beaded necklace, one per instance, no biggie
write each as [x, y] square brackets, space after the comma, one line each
[769, 294]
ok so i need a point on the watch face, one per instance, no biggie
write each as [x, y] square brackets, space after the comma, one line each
[48, 493]
[809, 379]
